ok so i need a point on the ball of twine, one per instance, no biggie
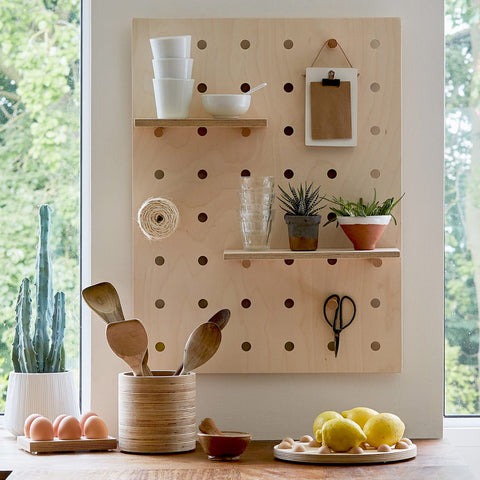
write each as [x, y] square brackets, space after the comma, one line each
[158, 218]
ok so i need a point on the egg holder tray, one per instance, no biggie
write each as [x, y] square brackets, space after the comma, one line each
[57, 446]
[312, 455]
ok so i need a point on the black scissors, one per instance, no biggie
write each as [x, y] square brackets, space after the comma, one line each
[337, 323]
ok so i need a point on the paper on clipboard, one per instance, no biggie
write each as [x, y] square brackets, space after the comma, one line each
[317, 74]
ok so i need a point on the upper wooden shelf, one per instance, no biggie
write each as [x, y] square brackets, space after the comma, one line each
[201, 122]
[321, 253]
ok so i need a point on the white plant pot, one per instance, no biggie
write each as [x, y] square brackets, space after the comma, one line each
[49, 394]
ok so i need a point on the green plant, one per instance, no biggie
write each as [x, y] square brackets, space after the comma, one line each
[346, 208]
[40, 354]
[301, 201]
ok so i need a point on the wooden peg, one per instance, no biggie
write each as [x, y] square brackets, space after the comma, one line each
[158, 132]
[332, 43]
[332, 304]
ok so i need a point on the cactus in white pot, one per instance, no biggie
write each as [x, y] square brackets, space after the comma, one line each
[39, 383]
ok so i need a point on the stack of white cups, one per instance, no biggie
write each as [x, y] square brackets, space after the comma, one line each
[172, 82]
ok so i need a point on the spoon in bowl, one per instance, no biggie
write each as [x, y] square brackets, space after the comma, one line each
[258, 87]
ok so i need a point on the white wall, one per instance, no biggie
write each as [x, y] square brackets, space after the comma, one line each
[272, 406]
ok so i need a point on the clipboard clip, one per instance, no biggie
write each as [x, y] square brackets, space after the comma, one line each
[331, 81]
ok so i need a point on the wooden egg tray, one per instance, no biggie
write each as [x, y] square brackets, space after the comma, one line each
[368, 456]
[56, 446]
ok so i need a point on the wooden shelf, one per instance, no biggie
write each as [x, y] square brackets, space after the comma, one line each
[321, 253]
[201, 122]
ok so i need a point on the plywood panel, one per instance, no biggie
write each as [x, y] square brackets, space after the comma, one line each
[166, 296]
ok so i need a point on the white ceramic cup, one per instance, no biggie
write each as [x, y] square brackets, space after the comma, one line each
[173, 97]
[171, 47]
[172, 67]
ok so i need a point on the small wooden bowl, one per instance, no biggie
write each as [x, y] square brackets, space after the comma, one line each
[228, 446]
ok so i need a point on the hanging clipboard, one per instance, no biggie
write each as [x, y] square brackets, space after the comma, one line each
[331, 109]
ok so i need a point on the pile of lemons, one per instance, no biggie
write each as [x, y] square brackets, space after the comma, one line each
[342, 432]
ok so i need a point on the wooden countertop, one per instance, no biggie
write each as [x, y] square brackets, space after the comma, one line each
[436, 459]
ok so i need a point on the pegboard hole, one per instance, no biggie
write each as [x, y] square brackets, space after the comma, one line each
[288, 44]
[202, 303]
[331, 346]
[159, 260]
[159, 303]
[288, 87]
[289, 303]
[377, 262]
[332, 261]
[375, 346]
[246, 263]
[159, 218]
[375, 87]
[245, 87]
[289, 261]
[202, 174]
[158, 132]
[245, 173]
[202, 217]
[288, 130]
[375, 302]
[203, 260]
[375, 173]
[159, 174]
[246, 132]
[375, 130]
[246, 346]
[375, 43]
[332, 173]
[245, 44]
[246, 303]
[288, 174]
[159, 346]
[331, 217]
[289, 346]
[202, 131]
[202, 87]
[201, 44]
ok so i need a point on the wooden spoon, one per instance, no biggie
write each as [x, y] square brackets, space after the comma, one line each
[103, 299]
[220, 319]
[201, 345]
[128, 340]
[207, 425]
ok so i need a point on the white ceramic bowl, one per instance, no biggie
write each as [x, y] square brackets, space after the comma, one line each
[172, 97]
[172, 67]
[171, 47]
[226, 106]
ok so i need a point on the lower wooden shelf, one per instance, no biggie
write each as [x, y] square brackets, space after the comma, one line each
[284, 254]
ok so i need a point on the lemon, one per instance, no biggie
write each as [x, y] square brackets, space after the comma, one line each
[359, 415]
[320, 421]
[342, 434]
[384, 428]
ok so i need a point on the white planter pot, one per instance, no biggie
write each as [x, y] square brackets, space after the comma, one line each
[49, 394]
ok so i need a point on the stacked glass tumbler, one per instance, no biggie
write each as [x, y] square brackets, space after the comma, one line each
[256, 196]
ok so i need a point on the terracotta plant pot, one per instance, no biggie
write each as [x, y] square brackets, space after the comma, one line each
[303, 231]
[364, 232]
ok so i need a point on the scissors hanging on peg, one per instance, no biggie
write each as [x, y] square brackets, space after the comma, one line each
[334, 315]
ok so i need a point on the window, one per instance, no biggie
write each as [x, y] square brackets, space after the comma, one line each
[39, 156]
[462, 206]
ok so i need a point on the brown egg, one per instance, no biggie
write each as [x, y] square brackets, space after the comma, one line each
[83, 418]
[95, 427]
[41, 429]
[69, 429]
[28, 422]
[56, 423]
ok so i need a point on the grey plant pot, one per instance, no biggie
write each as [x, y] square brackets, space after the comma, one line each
[303, 231]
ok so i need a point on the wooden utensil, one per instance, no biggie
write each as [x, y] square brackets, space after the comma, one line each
[208, 426]
[128, 340]
[201, 345]
[103, 299]
[220, 319]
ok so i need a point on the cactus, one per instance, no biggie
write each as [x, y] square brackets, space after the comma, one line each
[42, 354]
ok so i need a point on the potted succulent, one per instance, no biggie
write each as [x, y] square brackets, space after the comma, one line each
[301, 206]
[363, 223]
[39, 383]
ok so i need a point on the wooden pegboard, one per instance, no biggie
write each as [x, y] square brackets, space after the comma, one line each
[183, 280]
